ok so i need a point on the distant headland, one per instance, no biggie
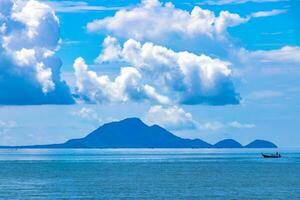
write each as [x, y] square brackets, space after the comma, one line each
[133, 133]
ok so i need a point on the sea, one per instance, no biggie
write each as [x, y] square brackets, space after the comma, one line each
[149, 174]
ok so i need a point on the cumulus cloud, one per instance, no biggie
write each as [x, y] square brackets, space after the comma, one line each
[176, 118]
[29, 71]
[162, 74]
[172, 118]
[111, 50]
[199, 30]
[153, 19]
[163, 24]
[128, 85]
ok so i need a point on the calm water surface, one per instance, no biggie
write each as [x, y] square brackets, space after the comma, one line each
[152, 174]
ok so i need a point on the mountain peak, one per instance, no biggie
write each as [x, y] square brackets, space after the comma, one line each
[134, 133]
[133, 120]
[228, 143]
[261, 144]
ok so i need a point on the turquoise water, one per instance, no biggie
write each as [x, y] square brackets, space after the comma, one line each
[152, 174]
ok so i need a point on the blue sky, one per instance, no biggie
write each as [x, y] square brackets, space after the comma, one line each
[202, 69]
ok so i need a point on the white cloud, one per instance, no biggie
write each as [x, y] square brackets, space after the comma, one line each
[286, 54]
[32, 14]
[268, 13]
[155, 21]
[28, 39]
[236, 124]
[198, 31]
[25, 57]
[77, 6]
[111, 50]
[271, 62]
[89, 115]
[224, 2]
[216, 125]
[152, 20]
[211, 126]
[176, 118]
[171, 118]
[126, 86]
[157, 73]
[44, 75]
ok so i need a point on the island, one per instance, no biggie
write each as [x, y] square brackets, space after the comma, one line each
[134, 133]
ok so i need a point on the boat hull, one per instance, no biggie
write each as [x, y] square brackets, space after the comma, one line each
[271, 156]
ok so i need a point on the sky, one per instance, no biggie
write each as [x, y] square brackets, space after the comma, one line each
[201, 69]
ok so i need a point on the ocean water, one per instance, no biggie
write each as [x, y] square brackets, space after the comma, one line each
[150, 174]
